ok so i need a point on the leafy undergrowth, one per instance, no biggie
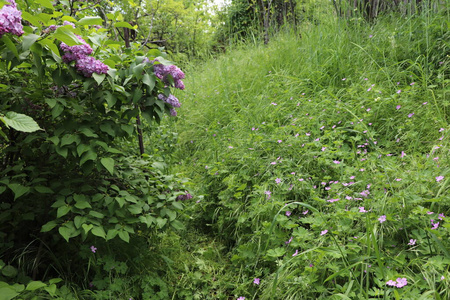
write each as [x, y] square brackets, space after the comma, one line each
[320, 164]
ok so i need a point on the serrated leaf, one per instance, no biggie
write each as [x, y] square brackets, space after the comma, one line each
[123, 235]
[34, 285]
[20, 122]
[108, 163]
[99, 231]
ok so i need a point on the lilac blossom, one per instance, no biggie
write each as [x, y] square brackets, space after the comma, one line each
[89, 65]
[10, 19]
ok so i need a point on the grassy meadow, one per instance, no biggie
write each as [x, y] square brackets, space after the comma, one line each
[319, 165]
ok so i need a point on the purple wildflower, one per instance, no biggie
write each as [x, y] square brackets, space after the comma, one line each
[93, 249]
[382, 219]
[256, 281]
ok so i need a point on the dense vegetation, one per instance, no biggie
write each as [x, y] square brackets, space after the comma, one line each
[316, 154]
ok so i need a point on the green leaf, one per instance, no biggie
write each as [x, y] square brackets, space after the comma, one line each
[50, 45]
[277, 252]
[90, 21]
[99, 231]
[62, 211]
[66, 232]
[61, 151]
[29, 40]
[68, 139]
[87, 227]
[135, 209]
[82, 148]
[9, 271]
[45, 3]
[108, 163]
[111, 234]
[89, 155]
[138, 70]
[88, 132]
[81, 201]
[32, 19]
[43, 189]
[108, 129]
[177, 205]
[34, 285]
[161, 222]
[99, 77]
[57, 110]
[6, 40]
[177, 225]
[18, 189]
[96, 214]
[48, 226]
[20, 122]
[149, 80]
[65, 35]
[123, 24]
[7, 293]
[148, 220]
[124, 236]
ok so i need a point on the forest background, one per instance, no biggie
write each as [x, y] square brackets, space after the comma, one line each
[264, 149]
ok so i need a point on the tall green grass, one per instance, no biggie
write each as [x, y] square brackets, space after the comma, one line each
[340, 109]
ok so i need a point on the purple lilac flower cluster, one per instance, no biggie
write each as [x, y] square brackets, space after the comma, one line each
[84, 63]
[163, 72]
[172, 100]
[10, 19]
[187, 196]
